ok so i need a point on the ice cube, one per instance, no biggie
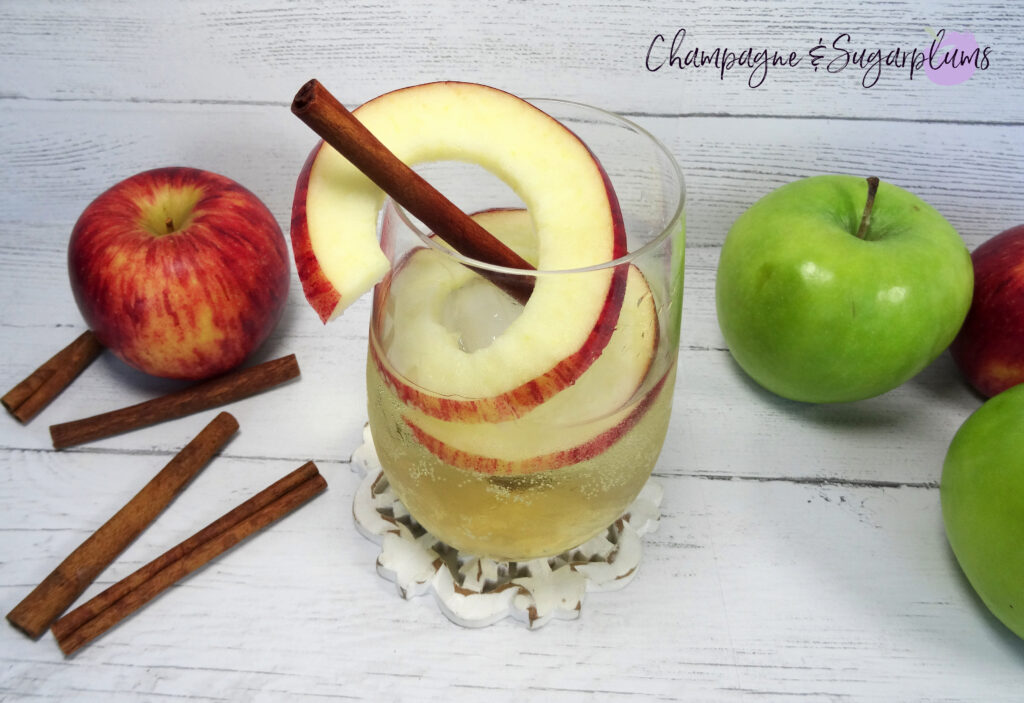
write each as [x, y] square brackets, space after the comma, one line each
[478, 312]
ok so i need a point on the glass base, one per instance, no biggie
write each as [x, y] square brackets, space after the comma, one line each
[475, 592]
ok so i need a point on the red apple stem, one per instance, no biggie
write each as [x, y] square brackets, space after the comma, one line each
[865, 219]
[169, 223]
[339, 128]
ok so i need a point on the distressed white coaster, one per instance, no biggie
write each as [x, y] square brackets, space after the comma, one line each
[476, 592]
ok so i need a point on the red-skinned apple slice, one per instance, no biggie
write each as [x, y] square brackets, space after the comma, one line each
[420, 321]
[541, 448]
[574, 425]
[513, 227]
[573, 208]
[334, 212]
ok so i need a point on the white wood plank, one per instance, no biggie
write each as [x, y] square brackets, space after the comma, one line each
[748, 588]
[62, 156]
[262, 52]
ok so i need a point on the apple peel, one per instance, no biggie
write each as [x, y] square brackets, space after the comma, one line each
[584, 442]
[516, 374]
[336, 206]
[571, 205]
[567, 426]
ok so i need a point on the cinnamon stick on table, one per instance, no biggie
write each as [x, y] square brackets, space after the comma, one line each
[209, 394]
[46, 383]
[326, 116]
[65, 583]
[95, 617]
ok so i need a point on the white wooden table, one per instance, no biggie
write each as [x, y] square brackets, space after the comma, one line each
[801, 553]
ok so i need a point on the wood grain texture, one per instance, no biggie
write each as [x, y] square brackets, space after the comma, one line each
[969, 173]
[800, 554]
[260, 53]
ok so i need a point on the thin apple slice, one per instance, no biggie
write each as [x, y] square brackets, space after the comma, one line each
[576, 423]
[366, 264]
[421, 340]
[495, 450]
[573, 208]
[514, 228]
[335, 209]
[615, 377]
[610, 381]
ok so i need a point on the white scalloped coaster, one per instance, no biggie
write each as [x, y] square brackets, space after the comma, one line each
[476, 592]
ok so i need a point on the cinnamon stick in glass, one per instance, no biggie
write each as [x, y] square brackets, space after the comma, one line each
[44, 384]
[209, 394]
[98, 615]
[65, 583]
[339, 128]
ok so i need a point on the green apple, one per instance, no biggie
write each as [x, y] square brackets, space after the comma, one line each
[983, 504]
[828, 291]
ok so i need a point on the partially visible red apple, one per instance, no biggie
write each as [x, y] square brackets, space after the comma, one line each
[990, 346]
[182, 273]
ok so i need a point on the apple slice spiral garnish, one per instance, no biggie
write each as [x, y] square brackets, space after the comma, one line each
[568, 319]
[577, 424]
[340, 129]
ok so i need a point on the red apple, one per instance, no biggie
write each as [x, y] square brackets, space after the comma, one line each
[989, 348]
[182, 273]
[335, 209]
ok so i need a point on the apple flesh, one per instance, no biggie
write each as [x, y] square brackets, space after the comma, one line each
[607, 384]
[181, 272]
[814, 313]
[519, 370]
[525, 446]
[335, 209]
[573, 210]
[576, 424]
[982, 492]
[989, 348]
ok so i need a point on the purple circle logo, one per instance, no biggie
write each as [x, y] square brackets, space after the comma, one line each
[952, 57]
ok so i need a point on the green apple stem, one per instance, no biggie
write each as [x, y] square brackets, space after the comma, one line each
[865, 219]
